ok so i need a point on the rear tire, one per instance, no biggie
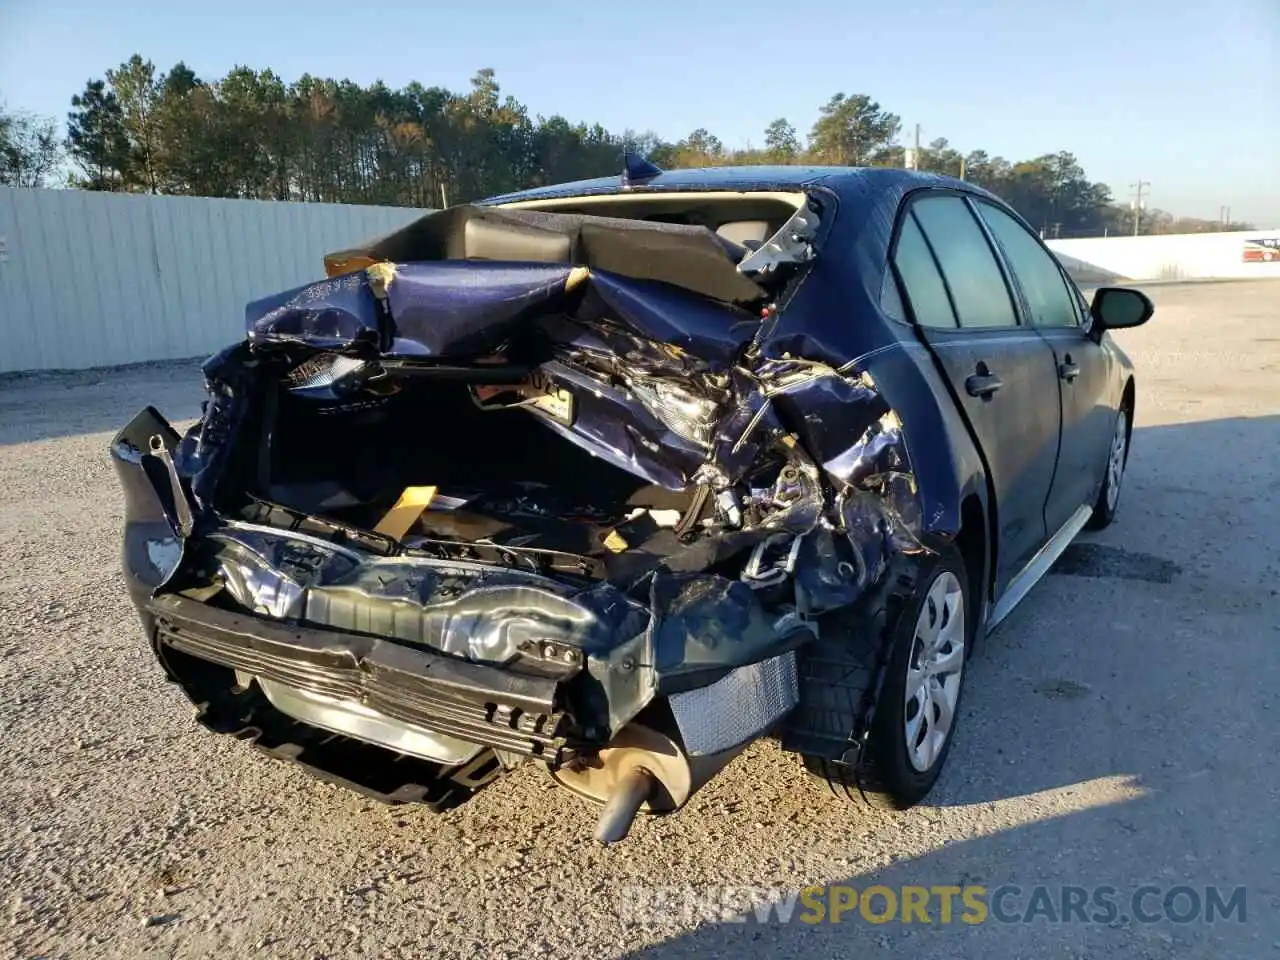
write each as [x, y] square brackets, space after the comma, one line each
[916, 714]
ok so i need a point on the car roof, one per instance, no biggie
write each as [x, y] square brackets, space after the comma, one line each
[745, 178]
[868, 199]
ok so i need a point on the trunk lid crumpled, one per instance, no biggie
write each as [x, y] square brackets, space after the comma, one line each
[799, 479]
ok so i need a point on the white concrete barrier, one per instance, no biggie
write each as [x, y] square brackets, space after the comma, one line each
[1186, 256]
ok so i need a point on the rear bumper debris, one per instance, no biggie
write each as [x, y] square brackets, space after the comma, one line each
[518, 662]
[471, 701]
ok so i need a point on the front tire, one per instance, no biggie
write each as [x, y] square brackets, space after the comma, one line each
[915, 718]
[1104, 510]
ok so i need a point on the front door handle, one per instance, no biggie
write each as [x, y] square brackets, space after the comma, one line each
[983, 385]
[1068, 370]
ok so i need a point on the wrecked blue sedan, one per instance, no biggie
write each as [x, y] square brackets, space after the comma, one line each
[618, 476]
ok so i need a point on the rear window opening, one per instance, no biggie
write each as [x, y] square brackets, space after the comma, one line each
[562, 230]
[746, 219]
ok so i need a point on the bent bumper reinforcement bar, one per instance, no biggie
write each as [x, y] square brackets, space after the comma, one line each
[484, 704]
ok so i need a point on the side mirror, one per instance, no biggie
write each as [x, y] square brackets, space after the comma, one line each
[1115, 308]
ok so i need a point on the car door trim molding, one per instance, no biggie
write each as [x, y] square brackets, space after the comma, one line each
[1055, 334]
[1028, 336]
[1037, 566]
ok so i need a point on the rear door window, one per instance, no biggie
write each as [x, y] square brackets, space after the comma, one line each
[1048, 296]
[921, 281]
[968, 264]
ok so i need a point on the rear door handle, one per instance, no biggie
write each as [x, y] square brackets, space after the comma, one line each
[1068, 370]
[983, 385]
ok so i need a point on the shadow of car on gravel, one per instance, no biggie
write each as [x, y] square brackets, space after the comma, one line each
[1071, 654]
[1040, 687]
[1164, 839]
[1145, 770]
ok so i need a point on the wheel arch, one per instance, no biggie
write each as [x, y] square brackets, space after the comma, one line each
[1128, 397]
[976, 543]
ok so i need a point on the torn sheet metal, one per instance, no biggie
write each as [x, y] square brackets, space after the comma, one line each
[338, 312]
[439, 309]
[667, 315]
[615, 425]
[455, 308]
[808, 486]
[653, 407]
[792, 243]
[836, 439]
[614, 338]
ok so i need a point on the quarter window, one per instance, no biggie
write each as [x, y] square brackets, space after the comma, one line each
[1048, 297]
[968, 264]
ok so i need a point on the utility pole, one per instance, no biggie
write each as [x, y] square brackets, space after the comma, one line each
[911, 155]
[962, 170]
[1137, 203]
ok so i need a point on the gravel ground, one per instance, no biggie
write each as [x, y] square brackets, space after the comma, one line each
[1114, 731]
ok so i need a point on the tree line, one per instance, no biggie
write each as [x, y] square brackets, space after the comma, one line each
[249, 134]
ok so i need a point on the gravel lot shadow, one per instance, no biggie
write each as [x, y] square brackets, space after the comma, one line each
[1113, 732]
[1070, 654]
[1156, 840]
[42, 406]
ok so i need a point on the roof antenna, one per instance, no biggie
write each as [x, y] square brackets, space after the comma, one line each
[637, 169]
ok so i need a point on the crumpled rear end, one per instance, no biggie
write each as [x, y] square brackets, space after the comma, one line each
[622, 517]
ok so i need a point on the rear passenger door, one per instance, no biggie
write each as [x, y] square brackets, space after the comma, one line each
[1082, 370]
[1003, 375]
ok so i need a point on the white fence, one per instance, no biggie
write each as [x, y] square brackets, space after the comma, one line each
[98, 279]
[1174, 257]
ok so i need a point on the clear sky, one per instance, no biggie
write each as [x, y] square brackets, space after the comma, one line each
[1183, 93]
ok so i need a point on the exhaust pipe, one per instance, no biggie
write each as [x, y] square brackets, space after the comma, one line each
[620, 812]
[641, 769]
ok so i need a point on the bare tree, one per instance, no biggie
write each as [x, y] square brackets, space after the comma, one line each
[29, 149]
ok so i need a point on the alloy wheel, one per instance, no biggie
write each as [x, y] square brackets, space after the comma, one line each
[933, 671]
[1115, 462]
